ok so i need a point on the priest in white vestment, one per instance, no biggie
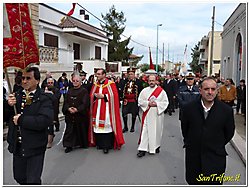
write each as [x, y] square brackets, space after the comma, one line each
[153, 101]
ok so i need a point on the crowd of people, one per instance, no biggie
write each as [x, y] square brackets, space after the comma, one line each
[94, 110]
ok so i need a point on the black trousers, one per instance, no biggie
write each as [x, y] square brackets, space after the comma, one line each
[28, 170]
[104, 140]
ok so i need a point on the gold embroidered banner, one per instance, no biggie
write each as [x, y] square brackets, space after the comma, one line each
[19, 45]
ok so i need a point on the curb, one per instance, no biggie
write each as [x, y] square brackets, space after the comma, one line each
[239, 145]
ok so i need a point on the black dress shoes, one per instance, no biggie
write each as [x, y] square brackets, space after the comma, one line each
[125, 130]
[141, 154]
[68, 149]
[132, 130]
[158, 150]
[105, 151]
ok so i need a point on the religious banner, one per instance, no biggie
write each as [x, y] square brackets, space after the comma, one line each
[151, 63]
[19, 44]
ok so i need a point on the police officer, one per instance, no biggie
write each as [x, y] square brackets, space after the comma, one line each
[188, 92]
[131, 90]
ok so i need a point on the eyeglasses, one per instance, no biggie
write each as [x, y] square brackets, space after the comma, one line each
[50, 82]
[26, 77]
[75, 80]
[190, 78]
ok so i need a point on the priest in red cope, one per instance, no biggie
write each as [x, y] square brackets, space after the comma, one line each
[105, 130]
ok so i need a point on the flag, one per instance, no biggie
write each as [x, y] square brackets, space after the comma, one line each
[72, 10]
[19, 44]
[151, 63]
[70, 13]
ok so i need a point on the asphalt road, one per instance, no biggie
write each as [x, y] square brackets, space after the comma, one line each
[122, 167]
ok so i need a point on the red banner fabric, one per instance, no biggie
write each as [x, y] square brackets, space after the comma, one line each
[72, 10]
[151, 63]
[19, 45]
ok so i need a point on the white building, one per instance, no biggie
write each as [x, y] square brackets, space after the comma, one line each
[234, 48]
[205, 53]
[69, 44]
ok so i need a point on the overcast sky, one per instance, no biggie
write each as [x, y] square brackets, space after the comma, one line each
[182, 23]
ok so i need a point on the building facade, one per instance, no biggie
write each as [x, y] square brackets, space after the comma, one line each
[205, 53]
[234, 38]
[68, 43]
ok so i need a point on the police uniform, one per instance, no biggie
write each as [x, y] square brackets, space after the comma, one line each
[85, 83]
[131, 91]
[187, 94]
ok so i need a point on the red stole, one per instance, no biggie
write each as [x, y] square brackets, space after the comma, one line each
[155, 93]
[100, 102]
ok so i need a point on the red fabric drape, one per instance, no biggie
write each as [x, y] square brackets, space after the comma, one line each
[19, 45]
[72, 10]
[151, 63]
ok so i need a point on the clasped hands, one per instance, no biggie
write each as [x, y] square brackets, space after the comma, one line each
[152, 104]
[99, 95]
[72, 110]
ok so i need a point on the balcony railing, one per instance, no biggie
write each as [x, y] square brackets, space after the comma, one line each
[48, 54]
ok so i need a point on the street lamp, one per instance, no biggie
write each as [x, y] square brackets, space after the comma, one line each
[157, 46]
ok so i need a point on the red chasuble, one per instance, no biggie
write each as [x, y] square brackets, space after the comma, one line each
[108, 88]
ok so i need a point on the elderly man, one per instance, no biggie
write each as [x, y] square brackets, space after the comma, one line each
[75, 109]
[153, 100]
[50, 88]
[207, 126]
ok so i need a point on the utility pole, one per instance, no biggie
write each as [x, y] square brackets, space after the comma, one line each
[168, 52]
[212, 44]
[163, 54]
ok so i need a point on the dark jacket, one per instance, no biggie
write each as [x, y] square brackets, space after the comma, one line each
[170, 88]
[33, 124]
[78, 98]
[241, 93]
[186, 96]
[205, 139]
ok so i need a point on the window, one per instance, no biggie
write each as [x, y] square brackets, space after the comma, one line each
[97, 52]
[50, 40]
[216, 62]
[76, 48]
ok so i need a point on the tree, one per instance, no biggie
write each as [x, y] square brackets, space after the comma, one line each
[195, 54]
[115, 25]
[145, 67]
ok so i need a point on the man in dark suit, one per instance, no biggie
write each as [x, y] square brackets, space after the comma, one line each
[28, 132]
[207, 126]
[170, 87]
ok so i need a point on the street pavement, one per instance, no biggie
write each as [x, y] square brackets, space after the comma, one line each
[122, 167]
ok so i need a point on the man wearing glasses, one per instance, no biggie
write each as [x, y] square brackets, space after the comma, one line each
[188, 92]
[27, 134]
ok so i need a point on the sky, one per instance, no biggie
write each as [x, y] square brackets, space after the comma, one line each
[183, 23]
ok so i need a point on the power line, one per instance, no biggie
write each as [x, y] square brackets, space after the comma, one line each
[106, 24]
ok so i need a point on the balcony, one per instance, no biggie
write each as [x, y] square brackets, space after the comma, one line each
[48, 54]
[204, 41]
[202, 48]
